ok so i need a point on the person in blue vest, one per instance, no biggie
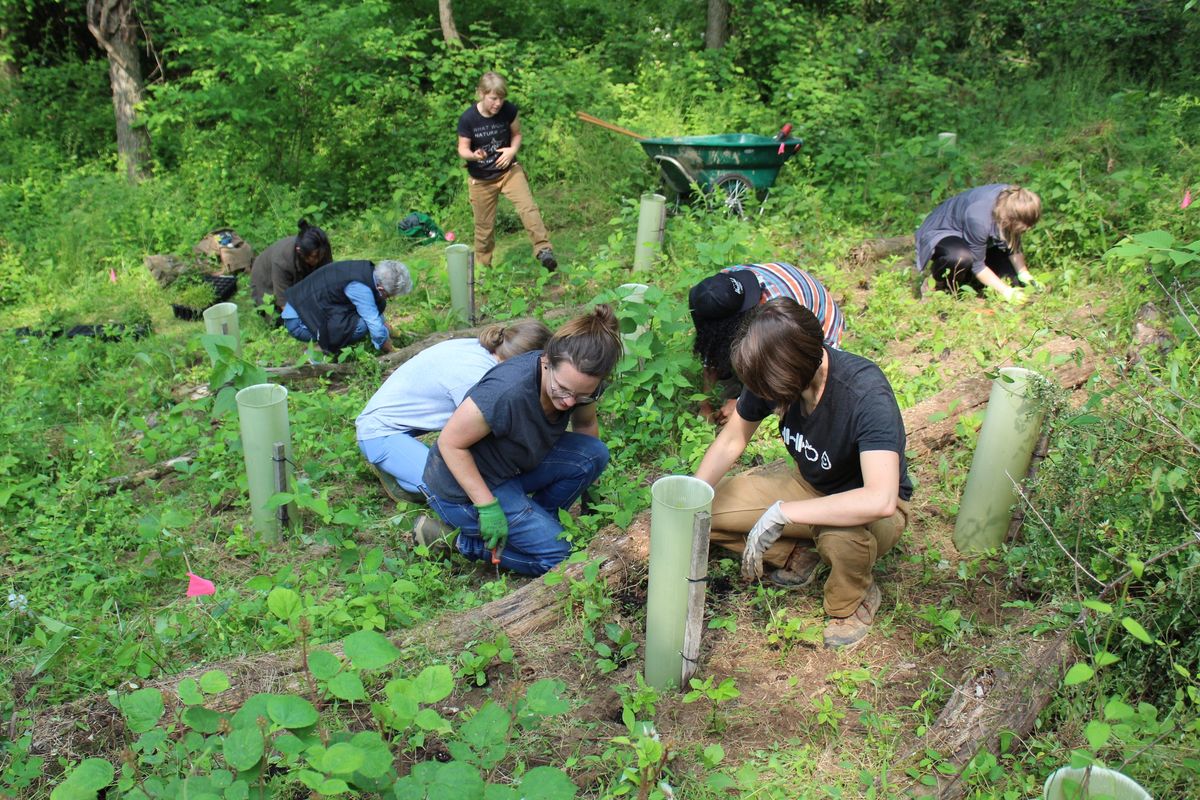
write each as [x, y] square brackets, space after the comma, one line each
[343, 302]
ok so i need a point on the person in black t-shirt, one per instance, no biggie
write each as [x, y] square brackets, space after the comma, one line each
[845, 501]
[489, 136]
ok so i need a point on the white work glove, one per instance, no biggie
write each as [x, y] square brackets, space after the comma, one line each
[764, 534]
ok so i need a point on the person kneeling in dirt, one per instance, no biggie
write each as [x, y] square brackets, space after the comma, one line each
[343, 302]
[505, 464]
[420, 396]
[720, 303]
[973, 240]
[287, 262]
[845, 503]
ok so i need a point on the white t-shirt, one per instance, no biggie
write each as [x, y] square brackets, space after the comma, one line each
[423, 393]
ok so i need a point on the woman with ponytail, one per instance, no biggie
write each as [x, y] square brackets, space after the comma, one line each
[287, 262]
[422, 394]
[505, 464]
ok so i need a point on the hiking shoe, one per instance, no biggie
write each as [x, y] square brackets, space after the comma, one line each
[393, 489]
[845, 631]
[800, 569]
[546, 257]
[431, 533]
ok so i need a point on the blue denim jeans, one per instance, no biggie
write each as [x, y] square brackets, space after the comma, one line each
[531, 502]
[400, 455]
[296, 327]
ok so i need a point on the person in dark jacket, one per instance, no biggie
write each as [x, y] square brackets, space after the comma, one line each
[287, 262]
[343, 302]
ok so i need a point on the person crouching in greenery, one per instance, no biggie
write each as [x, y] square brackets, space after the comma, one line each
[845, 502]
[974, 240]
[489, 136]
[720, 303]
[343, 302]
[505, 464]
[287, 262]
[420, 396]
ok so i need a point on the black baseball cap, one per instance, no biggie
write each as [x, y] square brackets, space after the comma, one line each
[725, 294]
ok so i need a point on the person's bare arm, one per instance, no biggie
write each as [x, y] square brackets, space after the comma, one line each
[584, 420]
[726, 449]
[466, 427]
[466, 153]
[876, 499]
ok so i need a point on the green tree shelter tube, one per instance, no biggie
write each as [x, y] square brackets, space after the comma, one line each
[263, 416]
[1011, 428]
[652, 220]
[222, 320]
[675, 501]
[631, 293]
[458, 266]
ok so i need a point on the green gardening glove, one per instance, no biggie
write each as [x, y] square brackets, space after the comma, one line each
[493, 525]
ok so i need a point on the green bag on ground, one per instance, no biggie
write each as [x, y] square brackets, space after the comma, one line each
[420, 228]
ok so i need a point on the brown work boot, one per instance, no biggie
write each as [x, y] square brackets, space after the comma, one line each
[800, 569]
[393, 489]
[433, 534]
[845, 631]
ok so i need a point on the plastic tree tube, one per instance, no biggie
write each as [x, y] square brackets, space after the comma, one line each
[652, 219]
[263, 416]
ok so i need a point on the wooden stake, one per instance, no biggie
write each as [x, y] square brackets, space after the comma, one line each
[697, 581]
[279, 456]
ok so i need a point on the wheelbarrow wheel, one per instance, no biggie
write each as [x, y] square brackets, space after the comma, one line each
[733, 191]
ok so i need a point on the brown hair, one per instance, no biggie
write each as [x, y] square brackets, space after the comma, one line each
[492, 83]
[1017, 210]
[506, 341]
[779, 351]
[590, 343]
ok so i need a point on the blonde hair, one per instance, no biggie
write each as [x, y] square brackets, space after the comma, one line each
[1017, 210]
[506, 341]
[590, 343]
[492, 83]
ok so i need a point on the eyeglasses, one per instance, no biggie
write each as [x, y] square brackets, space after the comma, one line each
[559, 393]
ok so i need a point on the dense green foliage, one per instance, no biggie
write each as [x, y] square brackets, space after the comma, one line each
[267, 111]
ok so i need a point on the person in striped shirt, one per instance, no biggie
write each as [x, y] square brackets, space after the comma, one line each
[719, 304]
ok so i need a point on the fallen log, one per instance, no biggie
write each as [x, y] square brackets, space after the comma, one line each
[91, 725]
[930, 424]
[873, 250]
[1006, 697]
[153, 472]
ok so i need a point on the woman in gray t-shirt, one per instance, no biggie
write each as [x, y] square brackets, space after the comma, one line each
[505, 464]
[974, 240]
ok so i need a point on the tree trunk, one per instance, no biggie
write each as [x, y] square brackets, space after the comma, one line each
[716, 34]
[446, 16]
[8, 62]
[114, 24]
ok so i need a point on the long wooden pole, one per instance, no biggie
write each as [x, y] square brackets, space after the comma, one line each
[608, 125]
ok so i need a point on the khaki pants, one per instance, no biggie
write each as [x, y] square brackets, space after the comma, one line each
[484, 196]
[850, 552]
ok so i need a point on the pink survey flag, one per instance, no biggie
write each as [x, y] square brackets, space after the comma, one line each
[112, 275]
[1187, 199]
[198, 587]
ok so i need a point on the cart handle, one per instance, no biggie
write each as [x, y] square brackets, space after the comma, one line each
[597, 121]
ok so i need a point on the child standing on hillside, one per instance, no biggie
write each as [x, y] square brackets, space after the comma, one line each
[489, 136]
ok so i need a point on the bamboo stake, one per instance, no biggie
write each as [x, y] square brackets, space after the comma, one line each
[697, 581]
[607, 125]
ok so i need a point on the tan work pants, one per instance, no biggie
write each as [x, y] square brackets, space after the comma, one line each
[849, 552]
[484, 196]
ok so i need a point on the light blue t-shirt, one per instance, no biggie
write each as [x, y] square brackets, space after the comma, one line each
[423, 393]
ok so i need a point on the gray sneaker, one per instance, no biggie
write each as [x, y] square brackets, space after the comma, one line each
[433, 534]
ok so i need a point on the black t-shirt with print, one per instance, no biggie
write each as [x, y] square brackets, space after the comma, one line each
[857, 413]
[488, 134]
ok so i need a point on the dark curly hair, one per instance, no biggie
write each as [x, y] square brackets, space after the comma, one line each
[714, 340]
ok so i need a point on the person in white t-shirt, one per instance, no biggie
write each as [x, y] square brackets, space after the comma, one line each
[420, 396]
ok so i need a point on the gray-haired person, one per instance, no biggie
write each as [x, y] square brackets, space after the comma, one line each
[341, 303]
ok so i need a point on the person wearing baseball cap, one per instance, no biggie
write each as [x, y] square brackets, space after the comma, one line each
[719, 305]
